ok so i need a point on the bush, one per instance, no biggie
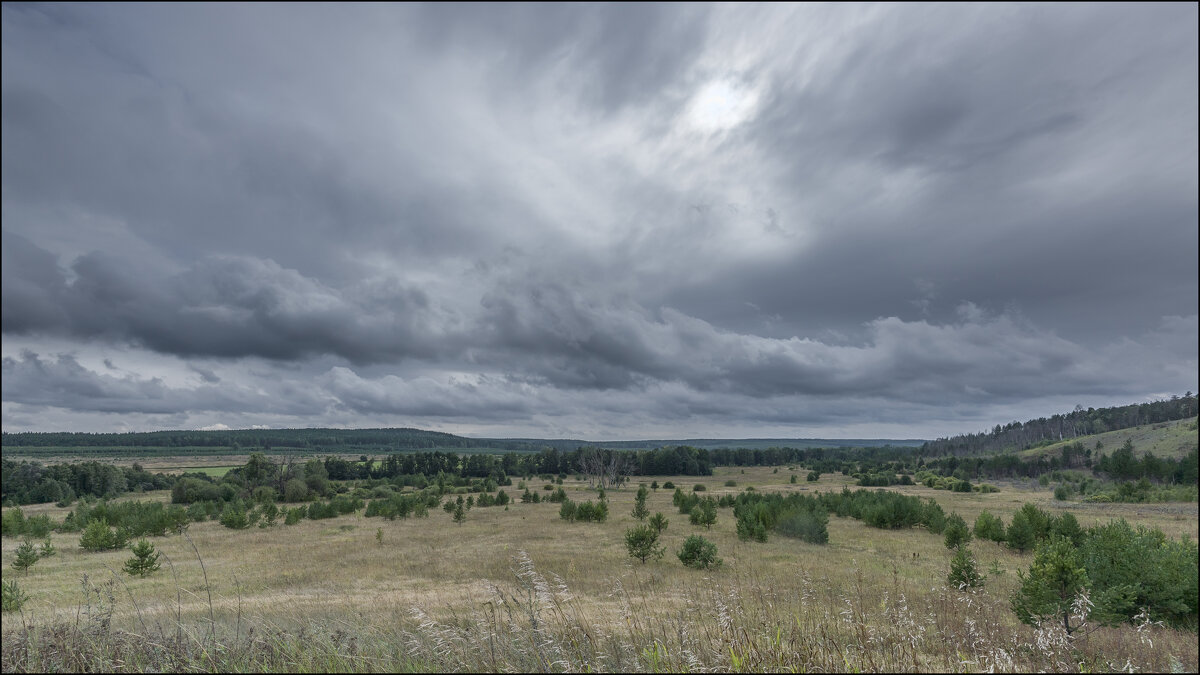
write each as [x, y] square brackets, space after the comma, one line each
[698, 487]
[990, 527]
[234, 516]
[12, 598]
[98, 536]
[956, 531]
[1020, 535]
[668, 485]
[813, 476]
[704, 513]
[805, 524]
[699, 553]
[567, 511]
[751, 526]
[1131, 569]
[295, 490]
[731, 483]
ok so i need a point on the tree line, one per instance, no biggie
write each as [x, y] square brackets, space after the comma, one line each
[1061, 427]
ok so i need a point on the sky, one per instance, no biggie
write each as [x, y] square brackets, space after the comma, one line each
[596, 221]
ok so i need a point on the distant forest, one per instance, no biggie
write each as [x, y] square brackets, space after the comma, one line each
[1046, 430]
[317, 439]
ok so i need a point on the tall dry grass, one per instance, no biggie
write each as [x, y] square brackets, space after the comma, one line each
[532, 622]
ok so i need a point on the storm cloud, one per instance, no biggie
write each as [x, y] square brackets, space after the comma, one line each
[610, 221]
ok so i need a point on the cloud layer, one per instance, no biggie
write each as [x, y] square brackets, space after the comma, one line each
[614, 221]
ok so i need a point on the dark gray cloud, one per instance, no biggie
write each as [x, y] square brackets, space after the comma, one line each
[657, 219]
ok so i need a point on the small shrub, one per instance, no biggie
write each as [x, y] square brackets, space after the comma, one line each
[699, 553]
[47, 550]
[12, 598]
[698, 487]
[731, 483]
[668, 485]
[813, 476]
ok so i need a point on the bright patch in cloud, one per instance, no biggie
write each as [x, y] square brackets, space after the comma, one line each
[721, 105]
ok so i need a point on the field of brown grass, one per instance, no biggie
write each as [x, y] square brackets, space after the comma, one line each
[520, 589]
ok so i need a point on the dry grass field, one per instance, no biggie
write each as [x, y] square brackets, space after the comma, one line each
[519, 589]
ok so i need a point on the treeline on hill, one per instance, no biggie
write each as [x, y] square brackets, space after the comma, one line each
[1047, 430]
[324, 439]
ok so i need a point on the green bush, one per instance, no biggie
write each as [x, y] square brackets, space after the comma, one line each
[1020, 534]
[704, 513]
[12, 598]
[752, 525]
[804, 524]
[1131, 569]
[990, 527]
[234, 516]
[956, 531]
[698, 487]
[98, 536]
[699, 553]
[813, 476]
[731, 483]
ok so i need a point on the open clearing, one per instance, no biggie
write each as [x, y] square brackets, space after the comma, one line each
[334, 573]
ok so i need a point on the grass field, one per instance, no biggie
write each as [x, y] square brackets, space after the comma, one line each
[520, 589]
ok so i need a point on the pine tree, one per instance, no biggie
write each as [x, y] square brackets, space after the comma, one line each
[704, 513]
[963, 571]
[144, 560]
[659, 522]
[639, 505]
[957, 532]
[642, 543]
[26, 557]
[1049, 591]
[460, 514]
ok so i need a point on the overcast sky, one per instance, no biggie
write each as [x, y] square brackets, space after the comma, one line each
[604, 222]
